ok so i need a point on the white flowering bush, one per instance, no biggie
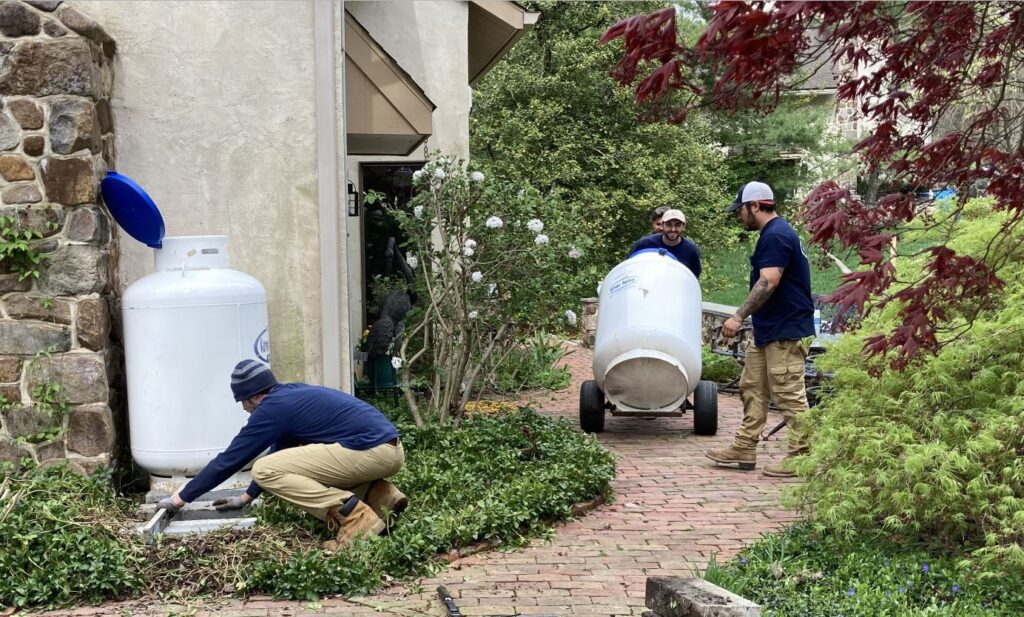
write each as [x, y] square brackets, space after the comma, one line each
[487, 279]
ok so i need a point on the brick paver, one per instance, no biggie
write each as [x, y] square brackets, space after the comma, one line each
[672, 511]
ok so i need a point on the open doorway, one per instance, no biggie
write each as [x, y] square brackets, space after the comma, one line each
[395, 181]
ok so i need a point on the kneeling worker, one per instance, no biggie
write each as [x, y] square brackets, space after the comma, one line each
[326, 449]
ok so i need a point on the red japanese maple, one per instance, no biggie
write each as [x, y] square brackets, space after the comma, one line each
[942, 83]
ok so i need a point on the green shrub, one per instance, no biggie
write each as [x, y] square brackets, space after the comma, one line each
[719, 368]
[66, 539]
[932, 453]
[62, 540]
[531, 366]
[801, 572]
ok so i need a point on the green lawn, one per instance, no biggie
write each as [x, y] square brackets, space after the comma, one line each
[727, 273]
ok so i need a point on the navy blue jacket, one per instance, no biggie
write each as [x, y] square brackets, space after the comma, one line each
[295, 414]
[686, 251]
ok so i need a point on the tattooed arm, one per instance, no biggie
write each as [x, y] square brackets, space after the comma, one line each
[759, 294]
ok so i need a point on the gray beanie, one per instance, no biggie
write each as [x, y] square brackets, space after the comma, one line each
[250, 378]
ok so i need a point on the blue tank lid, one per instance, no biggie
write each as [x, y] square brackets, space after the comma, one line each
[133, 209]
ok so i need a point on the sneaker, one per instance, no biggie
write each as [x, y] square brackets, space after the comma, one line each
[746, 459]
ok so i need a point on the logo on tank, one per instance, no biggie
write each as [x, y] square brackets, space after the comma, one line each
[261, 347]
[623, 283]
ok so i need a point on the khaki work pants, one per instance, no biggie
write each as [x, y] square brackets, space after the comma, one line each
[773, 372]
[320, 476]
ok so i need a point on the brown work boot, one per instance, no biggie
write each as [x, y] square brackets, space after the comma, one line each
[782, 469]
[746, 459]
[353, 519]
[384, 497]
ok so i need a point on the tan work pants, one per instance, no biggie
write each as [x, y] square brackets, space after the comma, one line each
[773, 372]
[321, 476]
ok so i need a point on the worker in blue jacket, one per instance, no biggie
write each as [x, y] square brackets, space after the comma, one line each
[326, 449]
[670, 239]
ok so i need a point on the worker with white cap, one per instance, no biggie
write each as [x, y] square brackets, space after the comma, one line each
[671, 239]
[782, 312]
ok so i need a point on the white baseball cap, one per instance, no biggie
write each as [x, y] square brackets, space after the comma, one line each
[751, 191]
[674, 215]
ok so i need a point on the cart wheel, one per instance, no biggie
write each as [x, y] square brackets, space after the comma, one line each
[591, 407]
[705, 408]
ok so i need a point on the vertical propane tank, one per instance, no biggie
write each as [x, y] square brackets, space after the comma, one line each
[185, 327]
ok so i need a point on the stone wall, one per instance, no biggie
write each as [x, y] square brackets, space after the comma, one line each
[59, 370]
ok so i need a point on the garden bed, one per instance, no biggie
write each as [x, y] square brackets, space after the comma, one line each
[496, 479]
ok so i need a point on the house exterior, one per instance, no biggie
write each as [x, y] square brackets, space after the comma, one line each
[243, 118]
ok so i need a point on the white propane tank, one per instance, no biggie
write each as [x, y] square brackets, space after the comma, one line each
[647, 349]
[185, 327]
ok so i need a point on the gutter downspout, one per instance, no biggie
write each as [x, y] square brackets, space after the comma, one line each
[333, 310]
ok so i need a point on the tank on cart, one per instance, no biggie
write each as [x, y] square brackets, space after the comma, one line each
[647, 349]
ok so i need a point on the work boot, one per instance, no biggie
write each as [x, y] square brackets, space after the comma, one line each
[746, 459]
[384, 497]
[782, 469]
[353, 519]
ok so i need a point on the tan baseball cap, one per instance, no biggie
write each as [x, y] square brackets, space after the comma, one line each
[674, 215]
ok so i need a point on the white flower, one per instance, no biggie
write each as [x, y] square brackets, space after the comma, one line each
[439, 174]
[494, 222]
[469, 243]
[521, 193]
[418, 212]
[467, 251]
[535, 225]
[476, 176]
[477, 276]
[574, 253]
[412, 261]
[570, 318]
[416, 175]
[492, 288]
[396, 362]
[473, 314]
[541, 239]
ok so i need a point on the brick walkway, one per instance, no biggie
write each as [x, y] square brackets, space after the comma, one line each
[672, 511]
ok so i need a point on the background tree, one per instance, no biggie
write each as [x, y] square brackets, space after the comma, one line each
[549, 116]
[908, 67]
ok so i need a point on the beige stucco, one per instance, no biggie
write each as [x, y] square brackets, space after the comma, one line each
[429, 39]
[214, 109]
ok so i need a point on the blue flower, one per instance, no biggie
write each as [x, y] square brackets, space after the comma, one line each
[743, 560]
[925, 569]
[956, 588]
[887, 594]
[902, 590]
[885, 562]
[852, 591]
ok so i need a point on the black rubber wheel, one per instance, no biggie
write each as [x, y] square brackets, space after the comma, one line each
[591, 407]
[705, 408]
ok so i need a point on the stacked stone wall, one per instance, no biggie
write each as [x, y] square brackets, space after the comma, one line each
[59, 367]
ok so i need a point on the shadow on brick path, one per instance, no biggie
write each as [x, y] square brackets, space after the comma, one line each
[672, 510]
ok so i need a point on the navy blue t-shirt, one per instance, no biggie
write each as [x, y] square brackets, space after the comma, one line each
[295, 414]
[788, 314]
[686, 251]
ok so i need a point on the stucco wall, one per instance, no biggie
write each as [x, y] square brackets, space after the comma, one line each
[429, 40]
[214, 102]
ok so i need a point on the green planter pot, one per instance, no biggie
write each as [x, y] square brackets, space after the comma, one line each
[380, 372]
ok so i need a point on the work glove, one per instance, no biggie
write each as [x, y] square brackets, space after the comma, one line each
[232, 503]
[169, 505]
